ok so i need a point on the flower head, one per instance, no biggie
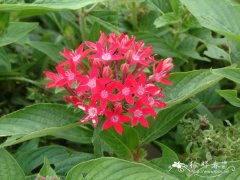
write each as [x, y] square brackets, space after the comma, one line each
[114, 83]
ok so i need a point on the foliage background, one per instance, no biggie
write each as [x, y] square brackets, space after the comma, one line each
[201, 122]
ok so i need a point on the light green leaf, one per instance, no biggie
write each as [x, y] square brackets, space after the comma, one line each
[187, 84]
[218, 15]
[50, 49]
[124, 146]
[111, 27]
[230, 96]
[113, 169]
[47, 5]
[9, 168]
[229, 73]
[38, 120]
[46, 171]
[165, 121]
[16, 31]
[166, 19]
[166, 151]
[159, 45]
[59, 156]
[216, 53]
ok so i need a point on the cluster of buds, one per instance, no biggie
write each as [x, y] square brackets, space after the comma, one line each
[108, 79]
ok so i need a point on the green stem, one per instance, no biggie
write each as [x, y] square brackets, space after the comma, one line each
[82, 23]
[134, 17]
[96, 140]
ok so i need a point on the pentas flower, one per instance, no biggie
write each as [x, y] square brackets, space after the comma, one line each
[114, 87]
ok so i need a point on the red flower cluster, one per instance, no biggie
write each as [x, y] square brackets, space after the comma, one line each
[108, 79]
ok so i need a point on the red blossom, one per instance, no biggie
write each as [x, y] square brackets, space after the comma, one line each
[138, 114]
[112, 81]
[115, 118]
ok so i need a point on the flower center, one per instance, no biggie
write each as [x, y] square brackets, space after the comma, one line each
[104, 94]
[136, 57]
[151, 101]
[141, 90]
[92, 83]
[114, 118]
[70, 75]
[106, 56]
[125, 91]
[76, 58]
[137, 113]
[92, 112]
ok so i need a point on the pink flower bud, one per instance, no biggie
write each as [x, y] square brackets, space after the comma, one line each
[167, 64]
[125, 68]
[107, 72]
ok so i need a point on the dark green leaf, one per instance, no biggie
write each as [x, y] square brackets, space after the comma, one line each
[59, 156]
[36, 121]
[124, 145]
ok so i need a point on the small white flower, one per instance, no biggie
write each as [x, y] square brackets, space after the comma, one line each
[177, 165]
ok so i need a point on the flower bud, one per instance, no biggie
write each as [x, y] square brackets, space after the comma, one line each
[167, 64]
[125, 68]
[107, 72]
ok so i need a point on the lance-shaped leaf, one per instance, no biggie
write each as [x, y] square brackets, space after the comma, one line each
[187, 84]
[48, 5]
[62, 158]
[112, 169]
[9, 168]
[125, 145]
[16, 31]
[229, 73]
[39, 120]
[230, 96]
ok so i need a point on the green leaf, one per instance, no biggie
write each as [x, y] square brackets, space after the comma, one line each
[4, 21]
[187, 84]
[230, 96]
[111, 27]
[112, 169]
[166, 151]
[165, 121]
[160, 46]
[36, 121]
[46, 171]
[218, 15]
[5, 64]
[124, 145]
[166, 19]
[47, 5]
[16, 31]
[216, 53]
[59, 156]
[49, 49]
[9, 168]
[229, 73]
